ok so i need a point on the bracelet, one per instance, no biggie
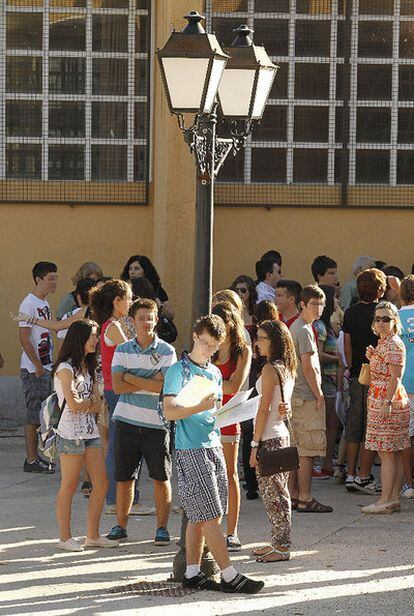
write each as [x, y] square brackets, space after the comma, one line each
[254, 444]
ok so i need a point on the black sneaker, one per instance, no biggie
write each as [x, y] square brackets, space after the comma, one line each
[117, 533]
[201, 582]
[242, 584]
[252, 495]
[38, 466]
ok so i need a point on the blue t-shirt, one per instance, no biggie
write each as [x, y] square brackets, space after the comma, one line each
[196, 431]
[407, 336]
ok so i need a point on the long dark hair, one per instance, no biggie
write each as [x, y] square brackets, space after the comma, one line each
[250, 287]
[73, 347]
[141, 287]
[232, 318]
[329, 305]
[282, 348]
[102, 299]
[149, 270]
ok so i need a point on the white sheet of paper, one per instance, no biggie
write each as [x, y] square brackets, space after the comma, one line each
[242, 412]
[195, 390]
[236, 400]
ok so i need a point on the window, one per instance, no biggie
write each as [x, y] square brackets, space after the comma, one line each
[76, 110]
[372, 166]
[375, 39]
[334, 116]
[310, 166]
[311, 123]
[311, 80]
[373, 125]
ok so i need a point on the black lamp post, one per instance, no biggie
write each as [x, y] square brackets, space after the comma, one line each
[199, 76]
[196, 71]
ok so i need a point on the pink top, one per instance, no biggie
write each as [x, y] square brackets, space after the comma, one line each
[107, 354]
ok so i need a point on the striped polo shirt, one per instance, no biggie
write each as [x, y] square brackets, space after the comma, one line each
[140, 409]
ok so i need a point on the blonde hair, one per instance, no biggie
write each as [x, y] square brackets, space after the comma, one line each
[85, 270]
[227, 295]
[395, 315]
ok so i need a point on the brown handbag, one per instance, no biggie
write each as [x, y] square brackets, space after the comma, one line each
[280, 460]
[365, 375]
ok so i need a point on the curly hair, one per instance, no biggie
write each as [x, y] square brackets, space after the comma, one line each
[265, 311]
[250, 287]
[228, 295]
[102, 299]
[282, 349]
[149, 270]
[407, 290]
[232, 318]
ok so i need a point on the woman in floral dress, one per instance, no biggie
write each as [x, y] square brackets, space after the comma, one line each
[388, 408]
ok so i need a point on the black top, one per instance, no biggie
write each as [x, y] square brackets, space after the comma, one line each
[357, 322]
[161, 294]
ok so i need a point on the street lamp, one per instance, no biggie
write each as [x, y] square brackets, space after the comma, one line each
[195, 71]
[198, 76]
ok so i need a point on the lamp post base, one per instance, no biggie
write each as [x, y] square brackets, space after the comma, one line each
[208, 565]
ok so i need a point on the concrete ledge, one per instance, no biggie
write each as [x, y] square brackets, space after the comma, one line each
[12, 404]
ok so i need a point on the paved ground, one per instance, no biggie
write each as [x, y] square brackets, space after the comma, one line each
[343, 563]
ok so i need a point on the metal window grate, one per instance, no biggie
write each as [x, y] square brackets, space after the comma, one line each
[75, 101]
[339, 126]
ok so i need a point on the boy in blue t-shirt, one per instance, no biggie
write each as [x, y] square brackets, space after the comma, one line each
[407, 335]
[202, 476]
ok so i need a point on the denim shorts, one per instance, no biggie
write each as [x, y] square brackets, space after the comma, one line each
[76, 446]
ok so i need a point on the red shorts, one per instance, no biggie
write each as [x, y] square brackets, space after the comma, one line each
[233, 430]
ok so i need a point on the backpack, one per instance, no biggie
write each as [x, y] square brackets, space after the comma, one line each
[185, 364]
[50, 414]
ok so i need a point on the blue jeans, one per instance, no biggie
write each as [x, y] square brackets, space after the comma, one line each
[111, 399]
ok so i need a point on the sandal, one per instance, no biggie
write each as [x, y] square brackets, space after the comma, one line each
[313, 506]
[294, 503]
[86, 489]
[261, 551]
[282, 556]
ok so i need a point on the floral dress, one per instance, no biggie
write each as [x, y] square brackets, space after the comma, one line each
[387, 433]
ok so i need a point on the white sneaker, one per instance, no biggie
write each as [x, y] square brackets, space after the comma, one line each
[141, 510]
[70, 545]
[101, 542]
[349, 482]
[407, 492]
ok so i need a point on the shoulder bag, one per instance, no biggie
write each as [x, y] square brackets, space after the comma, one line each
[280, 460]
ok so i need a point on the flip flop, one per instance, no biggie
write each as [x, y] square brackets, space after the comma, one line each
[284, 556]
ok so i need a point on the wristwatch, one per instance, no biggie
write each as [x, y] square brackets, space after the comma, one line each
[254, 444]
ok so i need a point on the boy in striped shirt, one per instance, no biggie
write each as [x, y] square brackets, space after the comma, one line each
[138, 369]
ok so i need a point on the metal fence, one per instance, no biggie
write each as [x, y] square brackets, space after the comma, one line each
[338, 129]
[74, 100]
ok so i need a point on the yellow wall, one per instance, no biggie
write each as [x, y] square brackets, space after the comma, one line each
[242, 235]
[67, 236]
[164, 230]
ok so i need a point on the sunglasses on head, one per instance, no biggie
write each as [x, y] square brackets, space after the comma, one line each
[383, 319]
[242, 290]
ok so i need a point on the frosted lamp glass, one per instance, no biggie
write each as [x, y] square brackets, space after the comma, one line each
[219, 65]
[235, 92]
[185, 79]
[264, 84]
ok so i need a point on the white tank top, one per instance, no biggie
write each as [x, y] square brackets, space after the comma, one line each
[275, 426]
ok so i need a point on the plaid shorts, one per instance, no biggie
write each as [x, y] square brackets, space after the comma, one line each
[35, 391]
[202, 483]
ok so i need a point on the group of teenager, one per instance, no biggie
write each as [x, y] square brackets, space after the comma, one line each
[303, 351]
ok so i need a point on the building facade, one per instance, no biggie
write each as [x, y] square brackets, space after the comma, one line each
[93, 167]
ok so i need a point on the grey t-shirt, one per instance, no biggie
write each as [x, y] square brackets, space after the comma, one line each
[305, 342]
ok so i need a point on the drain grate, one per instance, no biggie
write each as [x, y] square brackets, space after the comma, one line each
[157, 589]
